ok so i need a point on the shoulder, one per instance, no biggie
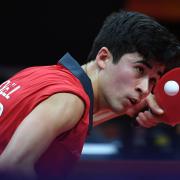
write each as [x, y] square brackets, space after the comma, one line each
[61, 110]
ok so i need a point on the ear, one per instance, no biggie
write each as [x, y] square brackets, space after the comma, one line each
[103, 57]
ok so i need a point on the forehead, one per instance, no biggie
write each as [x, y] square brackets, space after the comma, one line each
[136, 58]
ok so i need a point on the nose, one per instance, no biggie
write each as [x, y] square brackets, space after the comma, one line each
[143, 87]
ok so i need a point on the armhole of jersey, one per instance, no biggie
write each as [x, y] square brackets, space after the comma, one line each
[73, 66]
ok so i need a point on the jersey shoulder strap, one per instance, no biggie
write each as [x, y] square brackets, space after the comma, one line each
[73, 66]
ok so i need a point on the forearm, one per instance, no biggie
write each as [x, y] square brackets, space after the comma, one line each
[103, 116]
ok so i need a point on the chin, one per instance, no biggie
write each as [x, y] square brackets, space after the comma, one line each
[119, 110]
[116, 110]
[131, 113]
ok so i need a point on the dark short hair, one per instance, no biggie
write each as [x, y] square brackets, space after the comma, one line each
[128, 32]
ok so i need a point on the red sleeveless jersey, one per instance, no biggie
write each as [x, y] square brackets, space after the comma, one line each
[22, 93]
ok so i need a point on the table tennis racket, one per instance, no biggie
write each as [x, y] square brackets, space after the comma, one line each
[167, 95]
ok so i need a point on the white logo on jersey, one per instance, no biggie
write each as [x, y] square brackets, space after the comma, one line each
[1, 109]
[8, 88]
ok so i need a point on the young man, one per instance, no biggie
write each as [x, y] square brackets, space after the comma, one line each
[45, 110]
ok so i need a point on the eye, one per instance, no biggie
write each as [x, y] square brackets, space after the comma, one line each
[140, 70]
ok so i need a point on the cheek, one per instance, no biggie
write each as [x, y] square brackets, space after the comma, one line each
[124, 78]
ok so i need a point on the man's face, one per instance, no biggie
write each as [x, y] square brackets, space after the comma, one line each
[126, 83]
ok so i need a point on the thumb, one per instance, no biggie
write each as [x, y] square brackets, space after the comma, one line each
[153, 105]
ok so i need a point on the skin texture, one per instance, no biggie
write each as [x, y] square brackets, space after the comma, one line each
[118, 89]
[124, 88]
[130, 78]
[122, 84]
[57, 118]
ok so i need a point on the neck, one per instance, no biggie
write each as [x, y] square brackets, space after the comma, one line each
[92, 71]
[101, 113]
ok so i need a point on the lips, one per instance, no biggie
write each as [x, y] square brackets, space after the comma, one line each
[134, 101]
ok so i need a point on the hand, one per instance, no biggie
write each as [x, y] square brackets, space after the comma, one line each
[150, 117]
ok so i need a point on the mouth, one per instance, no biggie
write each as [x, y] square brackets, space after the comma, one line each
[134, 101]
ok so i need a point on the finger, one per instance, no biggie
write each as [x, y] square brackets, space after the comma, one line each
[141, 120]
[141, 123]
[153, 105]
[151, 118]
[146, 119]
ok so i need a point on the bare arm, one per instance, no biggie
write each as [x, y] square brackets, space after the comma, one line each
[36, 132]
[144, 118]
[102, 116]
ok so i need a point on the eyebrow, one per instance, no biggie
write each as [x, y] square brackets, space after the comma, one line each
[148, 66]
